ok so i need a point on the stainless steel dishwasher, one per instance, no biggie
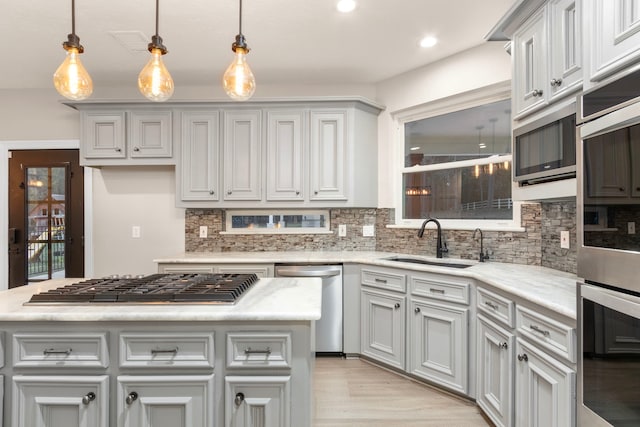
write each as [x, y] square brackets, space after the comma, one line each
[329, 327]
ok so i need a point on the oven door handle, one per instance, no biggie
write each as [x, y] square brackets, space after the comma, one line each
[308, 273]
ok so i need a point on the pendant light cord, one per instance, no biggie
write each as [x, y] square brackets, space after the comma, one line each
[157, 15]
[240, 19]
[73, 17]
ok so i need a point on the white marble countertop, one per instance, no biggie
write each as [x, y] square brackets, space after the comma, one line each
[552, 289]
[281, 299]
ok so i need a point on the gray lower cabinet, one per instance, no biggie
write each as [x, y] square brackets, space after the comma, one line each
[438, 341]
[261, 270]
[383, 326]
[257, 401]
[496, 347]
[545, 389]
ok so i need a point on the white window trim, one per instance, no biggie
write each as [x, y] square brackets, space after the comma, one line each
[274, 211]
[485, 95]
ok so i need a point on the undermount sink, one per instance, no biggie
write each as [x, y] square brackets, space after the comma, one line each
[428, 262]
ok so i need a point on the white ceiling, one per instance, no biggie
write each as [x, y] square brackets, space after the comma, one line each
[291, 41]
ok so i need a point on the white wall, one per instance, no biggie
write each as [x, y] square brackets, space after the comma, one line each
[481, 66]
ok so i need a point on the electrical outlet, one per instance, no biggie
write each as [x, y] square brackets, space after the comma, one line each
[367, 230]
[631, 227]
[564, 239]
[135, 231]
[342, 230]
[203, 231]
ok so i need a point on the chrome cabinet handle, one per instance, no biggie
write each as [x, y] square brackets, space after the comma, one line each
[537, 329]
[131, 397]
[503, 345]
[436, 291]
[266, 351]
[49, 351]
[397, 305]
[490, 304]
[118, 150]
[88, 398]
[417, 309]
[161, 351]
[239, 399]
[536, 93]
[315, 192]
[212, 192]
[229, 191]
[297, 193]
[136, 149]
[380, 280]
[556, 82]
[524, 357]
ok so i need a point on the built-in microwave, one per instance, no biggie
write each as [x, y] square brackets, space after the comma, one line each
[545, 149]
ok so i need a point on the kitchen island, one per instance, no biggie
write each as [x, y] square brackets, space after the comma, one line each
[103, 365]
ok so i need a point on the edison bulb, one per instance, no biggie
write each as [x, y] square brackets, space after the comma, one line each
[154, 81]
[238, 80]
[71, 79]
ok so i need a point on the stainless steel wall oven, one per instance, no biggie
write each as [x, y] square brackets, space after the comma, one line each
[609, 254]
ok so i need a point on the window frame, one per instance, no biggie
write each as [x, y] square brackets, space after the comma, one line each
[484, 95]
[229, 213]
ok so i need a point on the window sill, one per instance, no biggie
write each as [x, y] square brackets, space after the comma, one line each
[469, 227]
[247, 232]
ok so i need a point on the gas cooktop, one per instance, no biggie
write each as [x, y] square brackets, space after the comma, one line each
[156, 288]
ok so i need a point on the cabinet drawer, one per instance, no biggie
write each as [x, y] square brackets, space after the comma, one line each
[496, 307]
[158, 350]
[258, 350]
[68, 350]
[441, 288]
[385, 280]
[548, 333]
[186, 268]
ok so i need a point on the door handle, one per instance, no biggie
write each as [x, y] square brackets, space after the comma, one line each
[13, 236]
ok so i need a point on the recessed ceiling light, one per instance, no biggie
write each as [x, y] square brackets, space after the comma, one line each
[428, 41]
[414, 148]
[346, 6]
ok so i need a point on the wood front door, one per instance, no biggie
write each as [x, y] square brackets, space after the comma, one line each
[46, 215]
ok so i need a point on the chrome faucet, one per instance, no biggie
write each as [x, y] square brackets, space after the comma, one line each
[439, 247]
[483, 254]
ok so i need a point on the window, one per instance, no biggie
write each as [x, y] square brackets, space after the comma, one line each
[277, 221]
[456, 162]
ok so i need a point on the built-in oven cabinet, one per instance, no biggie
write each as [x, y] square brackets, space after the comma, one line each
[261, 270]
[547, 57]
[613, 38]
[122, 135]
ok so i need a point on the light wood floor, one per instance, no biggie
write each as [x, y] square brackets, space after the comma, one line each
[356, 393]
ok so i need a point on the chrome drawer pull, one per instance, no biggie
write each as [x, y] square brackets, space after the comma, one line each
[131, 397]
[49, 351]
[524, 357]
[490, 304]
[540, 331]
[161, 351]
[380, 280]
[436, 291]
[503, 345]
[239, 399]
[248, 351]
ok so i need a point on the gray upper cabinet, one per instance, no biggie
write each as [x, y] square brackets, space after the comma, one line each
[280, 154]
[121, 136]
[197, 171]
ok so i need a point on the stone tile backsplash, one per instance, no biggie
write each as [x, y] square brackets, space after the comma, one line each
[539, 244]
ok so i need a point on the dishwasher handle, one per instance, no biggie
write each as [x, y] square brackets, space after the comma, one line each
[307, 273]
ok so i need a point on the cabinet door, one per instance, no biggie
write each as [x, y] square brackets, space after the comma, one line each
[494, 371]
[285, 155]
[439, 343]
[200, 156]
[634, 145]
[545, 389]
[565, 56]
[165, 401]
[327, 159]
[607, 157]
[257, 401]
[150, 134]
[615, 36]
[54, 401]
[103, 135]
[383, 327]
[530, 65]
[242, 155]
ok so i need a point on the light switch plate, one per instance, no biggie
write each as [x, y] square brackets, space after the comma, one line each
[631, 227]
[203, 231]
[135, 232]
[367, 230]
[564, 239]
[342, 230]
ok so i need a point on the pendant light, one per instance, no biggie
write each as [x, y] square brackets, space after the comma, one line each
[71, 79]
[154, 81]
[238, 80]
